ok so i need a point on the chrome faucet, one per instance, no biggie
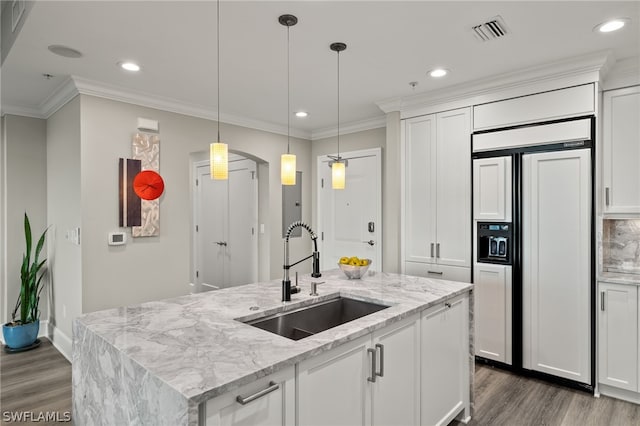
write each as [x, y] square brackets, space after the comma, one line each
[286, 282]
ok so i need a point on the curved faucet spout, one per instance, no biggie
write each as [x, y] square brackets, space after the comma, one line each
[286, 282]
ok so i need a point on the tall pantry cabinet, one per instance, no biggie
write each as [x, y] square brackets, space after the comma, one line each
[437, 195]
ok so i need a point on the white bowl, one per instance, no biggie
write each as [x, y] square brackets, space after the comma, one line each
[354, 272]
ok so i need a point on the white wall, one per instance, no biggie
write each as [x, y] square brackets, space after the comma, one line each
[159, 267]
[64, 208]
[24, 169]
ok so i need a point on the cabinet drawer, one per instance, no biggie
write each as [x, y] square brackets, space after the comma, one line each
[428, 270]
[269, 400]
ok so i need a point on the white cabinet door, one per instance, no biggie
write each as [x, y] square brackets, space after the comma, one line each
[492, 189]
[492, 314]
[445, 362]
[618, 336]
[453, 191]
[396, 392]
[556, 276]
[621, 153]
[420, 181]
[269, 401]
[333, 388]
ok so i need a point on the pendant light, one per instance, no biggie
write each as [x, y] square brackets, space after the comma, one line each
[288, 160]
[218, 151]
[338, 165]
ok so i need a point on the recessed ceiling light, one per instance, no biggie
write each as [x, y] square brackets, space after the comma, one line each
[438, 72]
[65, 51]
[129, 66]
[612, 25]
[302, 114]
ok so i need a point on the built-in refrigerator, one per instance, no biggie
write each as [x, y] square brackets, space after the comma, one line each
[533, 249]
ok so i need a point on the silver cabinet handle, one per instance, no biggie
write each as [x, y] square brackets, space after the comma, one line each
[245, 400]
[370, 242]
[381, 347]
[372, 379]
[602, 300]
[434, 272]
[431, 249]
[437, 250]
[221, 243]
[606, 196]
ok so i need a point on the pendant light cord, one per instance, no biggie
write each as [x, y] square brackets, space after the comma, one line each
[338, 72]
[288, 90]
[218, 60]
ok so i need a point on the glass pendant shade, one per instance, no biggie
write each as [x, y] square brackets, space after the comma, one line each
[219, 161]
[288, 169]
[337, 175]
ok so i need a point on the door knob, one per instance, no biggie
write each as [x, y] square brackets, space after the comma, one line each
[370, 242]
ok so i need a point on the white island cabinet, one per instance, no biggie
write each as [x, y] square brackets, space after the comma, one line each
[194, 360]
[373, 380]
[445, 362]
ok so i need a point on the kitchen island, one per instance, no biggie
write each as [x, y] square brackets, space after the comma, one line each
[169, 362]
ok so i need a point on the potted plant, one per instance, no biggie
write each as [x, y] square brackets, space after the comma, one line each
[22, 332]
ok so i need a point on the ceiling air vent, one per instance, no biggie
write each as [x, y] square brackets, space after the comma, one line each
[490, 30]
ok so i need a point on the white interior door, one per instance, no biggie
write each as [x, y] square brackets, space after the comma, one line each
[226, 242]
[349, 219]
[556, 263]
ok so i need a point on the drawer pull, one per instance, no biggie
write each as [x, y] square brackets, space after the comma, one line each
[434, 272]
[372, 379]
[245, 400]
[381, 347]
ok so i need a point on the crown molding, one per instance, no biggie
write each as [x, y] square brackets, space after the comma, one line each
[625, 72]
[101, 90]
[590, 67]
[22, 111]
[352, 127]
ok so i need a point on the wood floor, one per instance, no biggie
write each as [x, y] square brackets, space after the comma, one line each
[39, 381]
[503, 398]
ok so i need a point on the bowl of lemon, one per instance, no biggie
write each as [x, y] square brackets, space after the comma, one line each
[353, 267]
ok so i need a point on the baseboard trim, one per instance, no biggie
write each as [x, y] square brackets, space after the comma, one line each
[617, 393]
[61, 342]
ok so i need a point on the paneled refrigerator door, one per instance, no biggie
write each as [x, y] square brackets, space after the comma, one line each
[556, 253]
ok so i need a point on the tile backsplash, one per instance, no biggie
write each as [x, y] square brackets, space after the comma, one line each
[621, 245]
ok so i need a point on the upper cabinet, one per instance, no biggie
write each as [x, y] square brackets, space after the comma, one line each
[437, 213]
[621, 150]
[492, 189]
[545, 106]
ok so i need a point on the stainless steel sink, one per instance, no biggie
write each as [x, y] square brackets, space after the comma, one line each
[313, 319]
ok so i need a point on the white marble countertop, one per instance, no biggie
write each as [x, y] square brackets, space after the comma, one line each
[620, 278]
[195, 344]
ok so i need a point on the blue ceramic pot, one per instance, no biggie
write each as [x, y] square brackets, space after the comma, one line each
[20, 336]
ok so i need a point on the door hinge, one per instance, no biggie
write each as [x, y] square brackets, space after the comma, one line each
[322, 183]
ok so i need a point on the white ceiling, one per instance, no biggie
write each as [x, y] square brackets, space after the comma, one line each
[390, 43]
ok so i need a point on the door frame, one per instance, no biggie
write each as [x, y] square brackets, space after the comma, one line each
[194, 284]
[320, 162]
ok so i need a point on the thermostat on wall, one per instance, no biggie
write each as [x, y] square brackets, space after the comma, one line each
[117, 238]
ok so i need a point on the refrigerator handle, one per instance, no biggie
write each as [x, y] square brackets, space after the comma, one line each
[602, 300]
[606, 196]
